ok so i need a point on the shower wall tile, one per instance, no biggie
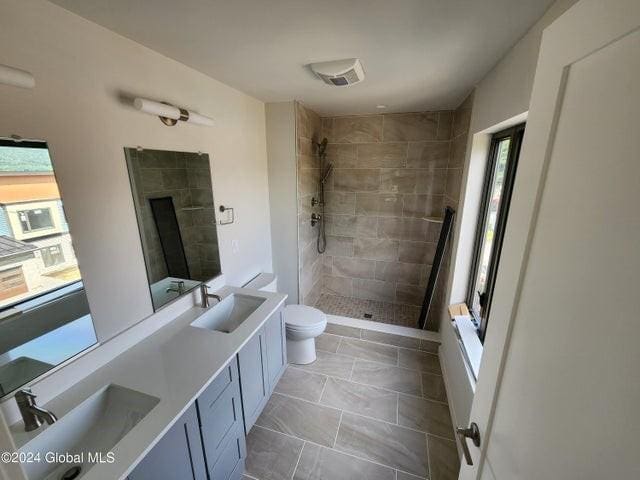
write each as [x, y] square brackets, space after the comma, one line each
[379, 204]
[458, 152]
[353, 267]
[410, 294]
[408, 273]
[356, 180]
[340, 202]
[414, 127]
[429, 155]
[376, 249]
[445, 125]
[417, 252]
[374, 290]
[308, 131]
[422, 205]
[431, 182]
[342, 155]
[382, 155]
[351, 225]
[338, 285]
[356, 129]
[403, 228]
[339, 246]
[398, 180]
[389, 185]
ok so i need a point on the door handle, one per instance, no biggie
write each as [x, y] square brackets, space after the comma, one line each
[472, 432]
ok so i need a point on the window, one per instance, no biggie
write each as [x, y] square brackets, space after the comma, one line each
[30, 212]
[37, 219]
[499, 178]
[52, 256]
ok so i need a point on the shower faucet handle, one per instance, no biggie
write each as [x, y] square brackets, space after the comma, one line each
[315, 201]
[315, 218]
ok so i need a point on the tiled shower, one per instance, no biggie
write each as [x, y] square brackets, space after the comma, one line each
[393, 175]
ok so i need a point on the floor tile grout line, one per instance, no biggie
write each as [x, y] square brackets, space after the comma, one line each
[368, 385]
[324, 385]
[293, 474]
[338, 429]
[349, 454]
[386, 364]
[398, 408]
[342, 411]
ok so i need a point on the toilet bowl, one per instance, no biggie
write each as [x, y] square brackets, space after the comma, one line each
[302, 323]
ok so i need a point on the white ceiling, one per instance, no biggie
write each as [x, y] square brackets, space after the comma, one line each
[417, 54]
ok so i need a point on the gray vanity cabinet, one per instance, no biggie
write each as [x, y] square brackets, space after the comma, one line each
[177, 455]
[220, 414]
[208, 442]
[262, 361]
[275, 339]
[254, 381]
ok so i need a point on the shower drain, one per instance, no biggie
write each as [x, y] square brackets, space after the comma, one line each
[71, 473]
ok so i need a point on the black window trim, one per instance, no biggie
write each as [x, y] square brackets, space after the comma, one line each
[516, 133]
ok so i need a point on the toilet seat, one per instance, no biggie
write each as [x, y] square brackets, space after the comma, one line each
[301, 318]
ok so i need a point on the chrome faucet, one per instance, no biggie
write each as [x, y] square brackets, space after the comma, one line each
[33, 415]
[204, 293]
[177, 286]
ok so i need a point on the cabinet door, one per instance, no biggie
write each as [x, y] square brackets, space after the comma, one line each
[276, 348]
[254, 383]
[221, 423]
[177, 455]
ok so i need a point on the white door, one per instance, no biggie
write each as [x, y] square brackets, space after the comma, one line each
[562, 400]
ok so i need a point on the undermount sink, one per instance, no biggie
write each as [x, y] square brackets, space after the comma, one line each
[229, 314]
[92, 428]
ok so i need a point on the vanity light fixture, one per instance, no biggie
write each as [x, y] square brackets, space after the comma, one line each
[170, 115]
[16, 77]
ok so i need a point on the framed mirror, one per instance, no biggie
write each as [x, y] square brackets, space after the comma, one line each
[173, 199]
[44, 312]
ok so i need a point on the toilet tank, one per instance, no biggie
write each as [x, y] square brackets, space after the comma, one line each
[267, 282]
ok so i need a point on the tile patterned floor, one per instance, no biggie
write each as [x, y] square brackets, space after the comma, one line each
[371, 407]
[393, 313]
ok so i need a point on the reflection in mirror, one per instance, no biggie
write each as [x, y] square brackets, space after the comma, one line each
[44, 313]
[173, 199]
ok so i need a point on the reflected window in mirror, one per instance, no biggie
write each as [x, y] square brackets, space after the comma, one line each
[173, 199]
[44, 312]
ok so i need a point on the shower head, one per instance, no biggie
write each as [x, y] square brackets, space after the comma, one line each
[322, 146]
[327, 172]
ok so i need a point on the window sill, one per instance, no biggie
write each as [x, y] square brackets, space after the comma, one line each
[469, 342]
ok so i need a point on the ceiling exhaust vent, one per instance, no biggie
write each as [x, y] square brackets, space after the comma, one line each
[339, 73]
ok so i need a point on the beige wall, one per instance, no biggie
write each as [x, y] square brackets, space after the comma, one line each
[85, 76]
[308, 131]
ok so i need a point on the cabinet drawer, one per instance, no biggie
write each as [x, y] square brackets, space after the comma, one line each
[221, 421]
[226, 377]
[231, 461]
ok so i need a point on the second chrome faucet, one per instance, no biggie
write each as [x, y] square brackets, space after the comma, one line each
[33, 415]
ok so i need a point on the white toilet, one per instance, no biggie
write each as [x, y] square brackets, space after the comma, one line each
[303, 324]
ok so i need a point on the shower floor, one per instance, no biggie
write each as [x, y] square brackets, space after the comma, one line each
[384, 312]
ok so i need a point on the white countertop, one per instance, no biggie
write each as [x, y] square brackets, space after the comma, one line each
[175, 364]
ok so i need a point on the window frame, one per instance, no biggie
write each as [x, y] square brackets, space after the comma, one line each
[28, 220]
[516, 134]
[25, 304]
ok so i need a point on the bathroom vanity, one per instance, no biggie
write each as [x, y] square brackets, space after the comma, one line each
[178, 404]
